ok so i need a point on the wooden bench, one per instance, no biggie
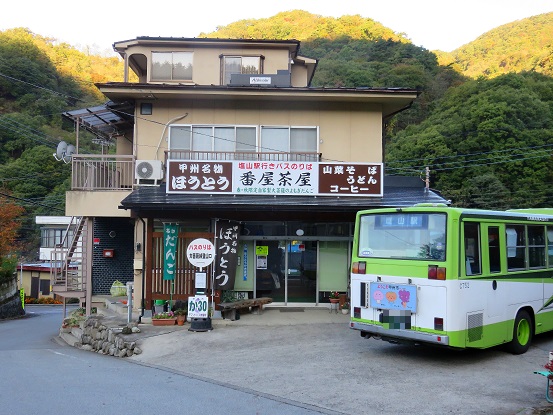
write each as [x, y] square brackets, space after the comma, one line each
[228, 310]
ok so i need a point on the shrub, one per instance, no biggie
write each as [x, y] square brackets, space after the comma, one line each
[8, 266]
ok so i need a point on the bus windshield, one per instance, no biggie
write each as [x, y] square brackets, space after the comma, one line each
[403, 236]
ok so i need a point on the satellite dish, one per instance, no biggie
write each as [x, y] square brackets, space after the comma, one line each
[60, 152]
[69, 151]
[64, 152]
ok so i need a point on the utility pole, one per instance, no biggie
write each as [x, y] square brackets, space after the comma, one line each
[427, 179]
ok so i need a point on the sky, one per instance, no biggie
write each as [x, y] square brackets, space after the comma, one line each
[433, 24]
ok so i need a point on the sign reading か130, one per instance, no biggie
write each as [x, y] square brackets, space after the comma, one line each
[200, 252]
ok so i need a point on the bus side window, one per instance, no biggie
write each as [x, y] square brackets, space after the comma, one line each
[516, 247]
[493, 249]
[550, 245]
[472, 248]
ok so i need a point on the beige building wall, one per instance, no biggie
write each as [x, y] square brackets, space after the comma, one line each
[95, 203]
[347, 131]
[206, 64]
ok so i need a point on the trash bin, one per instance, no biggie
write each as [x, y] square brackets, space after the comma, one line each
[160, 306]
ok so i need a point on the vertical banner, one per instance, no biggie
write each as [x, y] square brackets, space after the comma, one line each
[170, 238]
[245, 263]
[226, 249]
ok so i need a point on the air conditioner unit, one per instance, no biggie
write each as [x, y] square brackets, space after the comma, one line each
[148, 171]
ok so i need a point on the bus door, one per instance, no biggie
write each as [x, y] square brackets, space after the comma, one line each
[493, 245]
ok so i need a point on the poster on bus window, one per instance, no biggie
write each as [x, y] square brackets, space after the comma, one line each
[393, 296]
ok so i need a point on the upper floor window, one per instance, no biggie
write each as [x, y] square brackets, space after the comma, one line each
[289, 140]
[51, 237]
[171, 66]
[205, 139]
[219, 142]
[241, 65]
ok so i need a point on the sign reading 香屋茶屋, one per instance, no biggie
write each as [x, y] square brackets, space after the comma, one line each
[294, 178]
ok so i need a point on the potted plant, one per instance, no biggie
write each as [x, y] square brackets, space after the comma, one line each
[165, 318]
[334, 296]
[180, 313]
[345, 308]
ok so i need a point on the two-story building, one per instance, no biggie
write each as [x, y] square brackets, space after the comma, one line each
[226, 140]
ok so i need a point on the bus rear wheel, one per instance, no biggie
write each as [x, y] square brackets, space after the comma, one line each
[522, 333]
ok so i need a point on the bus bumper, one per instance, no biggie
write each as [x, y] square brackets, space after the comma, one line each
[397, 335]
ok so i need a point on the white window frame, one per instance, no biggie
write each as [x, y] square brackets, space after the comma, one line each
[213, 138]
[172, 76]
[260, 147]
[267, 147]
[224, 72]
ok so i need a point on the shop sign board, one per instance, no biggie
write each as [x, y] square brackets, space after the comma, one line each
[198, 306]
[200, 252]
[275, 178]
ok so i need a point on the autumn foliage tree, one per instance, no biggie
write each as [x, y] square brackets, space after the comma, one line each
[9, 213]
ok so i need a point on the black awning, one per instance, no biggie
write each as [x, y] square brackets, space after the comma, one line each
[399, 192]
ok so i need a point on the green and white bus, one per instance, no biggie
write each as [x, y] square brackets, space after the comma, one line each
[462, 278]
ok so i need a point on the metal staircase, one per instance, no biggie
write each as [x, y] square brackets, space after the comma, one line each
[71, 264]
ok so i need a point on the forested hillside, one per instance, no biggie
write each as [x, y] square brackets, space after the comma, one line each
[486, 141]
[483, 123]
[39, 80]
[524, 45]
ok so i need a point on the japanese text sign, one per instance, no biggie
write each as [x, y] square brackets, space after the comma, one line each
[200, 252]
[227, 254]
[294, 178]
[170, 239]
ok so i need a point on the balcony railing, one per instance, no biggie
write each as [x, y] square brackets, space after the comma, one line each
[110, 172]
[247, 156]
[102, 172]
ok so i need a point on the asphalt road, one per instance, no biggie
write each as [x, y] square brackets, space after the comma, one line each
[329, 366]
[262, 368]
[40, 375]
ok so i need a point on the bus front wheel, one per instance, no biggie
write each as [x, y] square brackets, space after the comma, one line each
[522, 333]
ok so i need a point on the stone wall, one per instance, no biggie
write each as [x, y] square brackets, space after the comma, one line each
[10, 301]
[97, 337]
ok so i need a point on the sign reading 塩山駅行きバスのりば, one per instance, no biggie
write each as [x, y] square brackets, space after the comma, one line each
[274, 178]
[226, 242]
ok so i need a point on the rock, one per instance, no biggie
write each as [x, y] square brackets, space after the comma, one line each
[137, 350]
[126, 330]
[135, 329]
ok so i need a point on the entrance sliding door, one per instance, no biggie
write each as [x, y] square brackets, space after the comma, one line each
[286, 271]
[302, 271]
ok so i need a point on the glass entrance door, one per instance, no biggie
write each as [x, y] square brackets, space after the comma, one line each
[286, 271]
[302, 271]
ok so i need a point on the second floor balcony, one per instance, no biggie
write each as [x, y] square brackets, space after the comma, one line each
[117, 172]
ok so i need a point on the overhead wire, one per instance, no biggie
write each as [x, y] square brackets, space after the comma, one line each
[39, 87]
[436, 167]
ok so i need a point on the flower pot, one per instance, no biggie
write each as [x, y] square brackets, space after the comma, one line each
[181, 319]
[345, 311]
[334, 300]
[164, 321]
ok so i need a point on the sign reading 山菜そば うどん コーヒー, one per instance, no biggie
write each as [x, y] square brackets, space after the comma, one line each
[275, 178]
